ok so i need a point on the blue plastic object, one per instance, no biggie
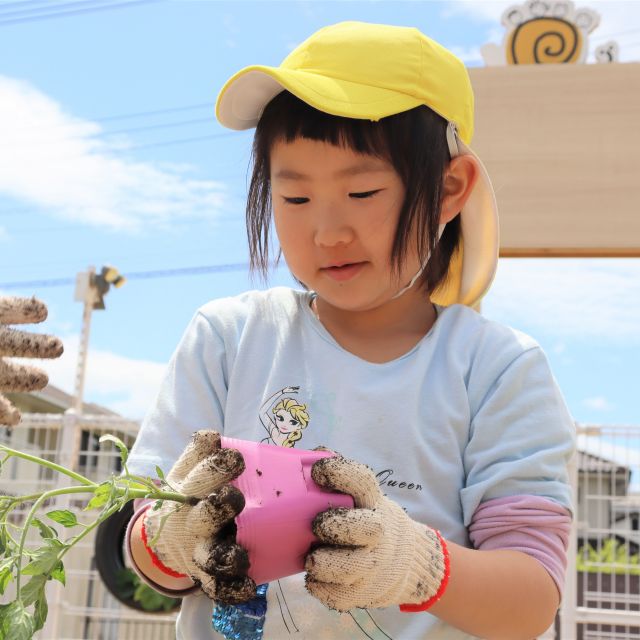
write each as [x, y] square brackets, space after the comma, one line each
[242, 621]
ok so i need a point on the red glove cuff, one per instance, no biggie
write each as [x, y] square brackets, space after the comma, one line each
[154, 558]
[423, 606]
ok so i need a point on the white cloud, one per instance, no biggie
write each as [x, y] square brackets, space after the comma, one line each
[559, 348]
[468, 55]
[597, 403]
[53, 160]
[4, 235]
[577, 299]
[121, 384]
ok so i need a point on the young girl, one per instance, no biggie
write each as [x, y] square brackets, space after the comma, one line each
[453, 435]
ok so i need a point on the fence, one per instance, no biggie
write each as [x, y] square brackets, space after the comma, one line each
[602, 596]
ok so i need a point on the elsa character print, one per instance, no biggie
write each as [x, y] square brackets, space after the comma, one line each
[284, 418]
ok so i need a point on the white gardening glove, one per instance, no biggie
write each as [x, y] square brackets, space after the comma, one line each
[374, 555]
[15, 377]
[197, 539]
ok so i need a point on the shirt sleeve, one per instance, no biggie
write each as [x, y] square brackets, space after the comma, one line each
[192, 396]
[529, 524]
[521, 436]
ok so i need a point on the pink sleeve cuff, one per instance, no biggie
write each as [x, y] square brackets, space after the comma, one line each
[140, 506]
[533, 525]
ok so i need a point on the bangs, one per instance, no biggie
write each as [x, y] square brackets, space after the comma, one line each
[288, 118]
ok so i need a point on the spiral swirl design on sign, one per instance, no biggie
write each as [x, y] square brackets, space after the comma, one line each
[544, 40]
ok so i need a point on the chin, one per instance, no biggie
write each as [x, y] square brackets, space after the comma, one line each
[349, 302]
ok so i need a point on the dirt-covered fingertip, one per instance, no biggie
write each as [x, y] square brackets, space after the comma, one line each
[206, 441]
[321, 472]
[53, 347]
[326, 471]
[224, 560]
[236, 590]
[229, 462]
[325, 521]
[230, 496]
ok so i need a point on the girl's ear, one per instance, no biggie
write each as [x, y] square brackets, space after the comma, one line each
[459, 180]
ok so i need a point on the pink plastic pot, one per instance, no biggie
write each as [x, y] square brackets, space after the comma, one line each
[281, 503]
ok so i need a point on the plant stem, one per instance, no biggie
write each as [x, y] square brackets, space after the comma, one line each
[131, 494]
[147, 482]
[47, 463]
[157, 495]
[36, 505]
[90, 527]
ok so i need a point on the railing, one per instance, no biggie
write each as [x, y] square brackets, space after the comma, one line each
[602, 595]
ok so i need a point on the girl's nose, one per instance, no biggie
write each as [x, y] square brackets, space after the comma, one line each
[332, 228]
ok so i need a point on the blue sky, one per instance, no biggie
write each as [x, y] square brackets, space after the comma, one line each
[86, 180]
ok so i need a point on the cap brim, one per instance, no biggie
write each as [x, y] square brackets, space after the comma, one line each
[473, 268]
[243, 98]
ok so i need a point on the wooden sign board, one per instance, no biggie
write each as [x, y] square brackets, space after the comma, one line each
[562, 146]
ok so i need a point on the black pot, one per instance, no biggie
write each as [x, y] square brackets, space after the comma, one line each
[109, 555]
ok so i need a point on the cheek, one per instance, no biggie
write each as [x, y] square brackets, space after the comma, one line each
[286, 232]
[290, 229]
[283, 221]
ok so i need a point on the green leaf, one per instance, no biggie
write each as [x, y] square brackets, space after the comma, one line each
[64, 517]
[6, 574]
[33, 590]
[3, 539]
[126, 582]
[40, 613]
[16, 622]
[57, 573]
[100, 496]
[124, 452]
[133, 484]
[44, 559]
[151, 600]
[160, 472]
[610, 557]
[46, 531]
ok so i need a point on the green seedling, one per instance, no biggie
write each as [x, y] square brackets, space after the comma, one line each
[31, 567]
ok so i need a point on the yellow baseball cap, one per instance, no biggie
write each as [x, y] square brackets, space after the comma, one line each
[370, 71]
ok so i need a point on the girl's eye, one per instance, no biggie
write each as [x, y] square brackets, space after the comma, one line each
[364, 194]
[293, 423]
[295, 200]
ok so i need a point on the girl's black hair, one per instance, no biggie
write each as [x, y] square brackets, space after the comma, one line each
[413, 141]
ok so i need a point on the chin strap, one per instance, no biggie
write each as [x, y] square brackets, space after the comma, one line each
[422, 268]
[452, 143]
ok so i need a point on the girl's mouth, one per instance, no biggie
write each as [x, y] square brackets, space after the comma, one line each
[344, 271]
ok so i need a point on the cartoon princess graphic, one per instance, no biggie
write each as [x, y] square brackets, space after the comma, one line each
[284, 418]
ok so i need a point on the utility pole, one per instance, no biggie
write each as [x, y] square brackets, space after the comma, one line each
[90, 290]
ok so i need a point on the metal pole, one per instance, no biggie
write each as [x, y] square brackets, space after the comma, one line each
[568, 618]
[69, 442]
[83, 346]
